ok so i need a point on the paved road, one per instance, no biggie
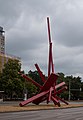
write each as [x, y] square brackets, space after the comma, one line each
[57, 114]
[6, 103]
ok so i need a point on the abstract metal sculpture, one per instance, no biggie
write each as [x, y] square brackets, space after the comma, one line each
[50, 89]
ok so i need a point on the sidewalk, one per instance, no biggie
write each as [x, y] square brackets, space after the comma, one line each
[14, 106]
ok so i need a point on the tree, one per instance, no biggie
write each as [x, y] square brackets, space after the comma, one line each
[60, 78]
[35, 76]
[74, 85]
[11, 81]
[14, 85]
[30, 88]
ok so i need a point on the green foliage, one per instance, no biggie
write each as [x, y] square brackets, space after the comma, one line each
[74, 83]
[10, 80]
[35, 76]
[64, 95]
[60, 78]
[14, 85]
[31, 89]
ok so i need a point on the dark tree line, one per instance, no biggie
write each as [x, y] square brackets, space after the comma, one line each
[14, 86]
[75, 86]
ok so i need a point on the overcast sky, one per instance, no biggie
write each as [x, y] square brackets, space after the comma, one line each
[24, 22]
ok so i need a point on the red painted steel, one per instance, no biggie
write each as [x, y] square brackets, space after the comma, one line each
[49, 95]
[61, 100]
[60, 85]
[40, 73]
[47, 85]
[61, 90]
[39, 100]
[50, 62]
[49, 35]
[49, 82]
[31, 80]
[33, 98]
[49, 90]
[56, 102]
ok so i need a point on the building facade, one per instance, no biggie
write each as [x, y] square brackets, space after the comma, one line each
[2, 41]
[4, 57]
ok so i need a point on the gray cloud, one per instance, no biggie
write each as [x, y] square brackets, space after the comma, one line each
[25, 26]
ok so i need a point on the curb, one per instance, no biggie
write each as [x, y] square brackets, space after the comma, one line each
[27, 108]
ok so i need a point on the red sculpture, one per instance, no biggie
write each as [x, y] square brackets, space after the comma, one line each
[50, 89]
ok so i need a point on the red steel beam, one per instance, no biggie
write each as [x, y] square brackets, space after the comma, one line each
[39, 100]
[60, 85]
[49, 95]
[61, 90]
[55, 101]
[31, 80]
[40, 73]
[47, 85]
[49, 35]
[61, 100]
[33, 98]
[50, 47]
[48, 90]
[51, 57]
[50, 62]
[49, 82]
